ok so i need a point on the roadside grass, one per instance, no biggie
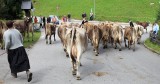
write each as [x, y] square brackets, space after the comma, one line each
[36, 37]
[111, 10]
[153, 46]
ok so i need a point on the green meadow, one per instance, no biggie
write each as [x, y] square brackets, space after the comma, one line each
[105, 10]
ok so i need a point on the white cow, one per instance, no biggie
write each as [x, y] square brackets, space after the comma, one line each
[76, 40]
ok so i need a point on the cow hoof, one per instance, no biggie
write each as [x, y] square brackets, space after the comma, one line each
[133, 50]
[54, 39]
[125, 45]
[64, 50]
[78, 78]
[73, 73]
[96, 54]
[67, 56]
[138, 43]
[120, 49]
[104, 47]
[80, 64]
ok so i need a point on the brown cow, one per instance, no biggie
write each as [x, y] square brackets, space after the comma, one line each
[23, 26]
[89, 27]
[139, 30]
[106, 33]
[116, 35]
[62, 33]
[76, 40]
[50, 30]
[96, 37]
[130, 35]
[144, 24]
[3, 28]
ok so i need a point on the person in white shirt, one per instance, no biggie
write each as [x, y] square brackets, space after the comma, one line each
[17, 56]
[155, 28]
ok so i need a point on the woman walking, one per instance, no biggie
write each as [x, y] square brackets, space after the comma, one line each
[17, 56]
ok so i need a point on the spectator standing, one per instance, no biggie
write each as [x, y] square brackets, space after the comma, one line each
[91, 16]
[44, 22]
[131, 23]
[155, 28]
[69, 17]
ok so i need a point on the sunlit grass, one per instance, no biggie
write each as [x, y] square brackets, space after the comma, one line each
[112, 10]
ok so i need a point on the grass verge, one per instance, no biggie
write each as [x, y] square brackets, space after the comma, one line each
[29, 44]
[152, 46]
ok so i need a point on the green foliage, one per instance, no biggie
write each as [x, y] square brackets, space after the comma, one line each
[112, 10]
[10, 9]
[153, 46]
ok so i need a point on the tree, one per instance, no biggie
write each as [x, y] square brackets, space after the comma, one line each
[10, 9]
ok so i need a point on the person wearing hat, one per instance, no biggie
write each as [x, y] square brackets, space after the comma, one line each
[17, 56]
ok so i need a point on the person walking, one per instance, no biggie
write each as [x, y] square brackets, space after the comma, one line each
[131, 23]
[17, 56]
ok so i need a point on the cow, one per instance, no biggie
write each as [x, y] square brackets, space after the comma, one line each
[50, 30]
[144, 24]
[76, 40]
[116, 35]
[3, 28]
[96, 37]
[88, 27]
[130, 34]
[61, 34]
[23, 26]
[106, 33]
[139, 30]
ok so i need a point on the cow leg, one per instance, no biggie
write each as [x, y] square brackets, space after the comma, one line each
[28, 35]
[129, 44]
[77, 67]
[73, 61]
[134, 46]
[146, 30]
[54, 37]
[125, 42]
[120, 47]
[115, 45]
[32, 35]
[96, 51]
[46, 38]
[50, 39]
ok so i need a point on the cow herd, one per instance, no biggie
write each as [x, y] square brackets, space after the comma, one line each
[75, 38]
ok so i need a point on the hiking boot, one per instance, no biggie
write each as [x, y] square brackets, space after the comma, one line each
[14, 75]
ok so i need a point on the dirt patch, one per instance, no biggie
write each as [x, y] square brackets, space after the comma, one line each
[99, 74]
[1, 82]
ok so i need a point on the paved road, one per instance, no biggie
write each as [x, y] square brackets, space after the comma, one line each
[50, 66]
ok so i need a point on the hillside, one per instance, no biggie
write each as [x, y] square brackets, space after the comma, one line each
[112, 10]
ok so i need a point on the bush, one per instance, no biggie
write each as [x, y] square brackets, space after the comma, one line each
[10, 9]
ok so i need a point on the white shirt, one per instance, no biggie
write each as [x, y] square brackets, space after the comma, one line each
[12, 39]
